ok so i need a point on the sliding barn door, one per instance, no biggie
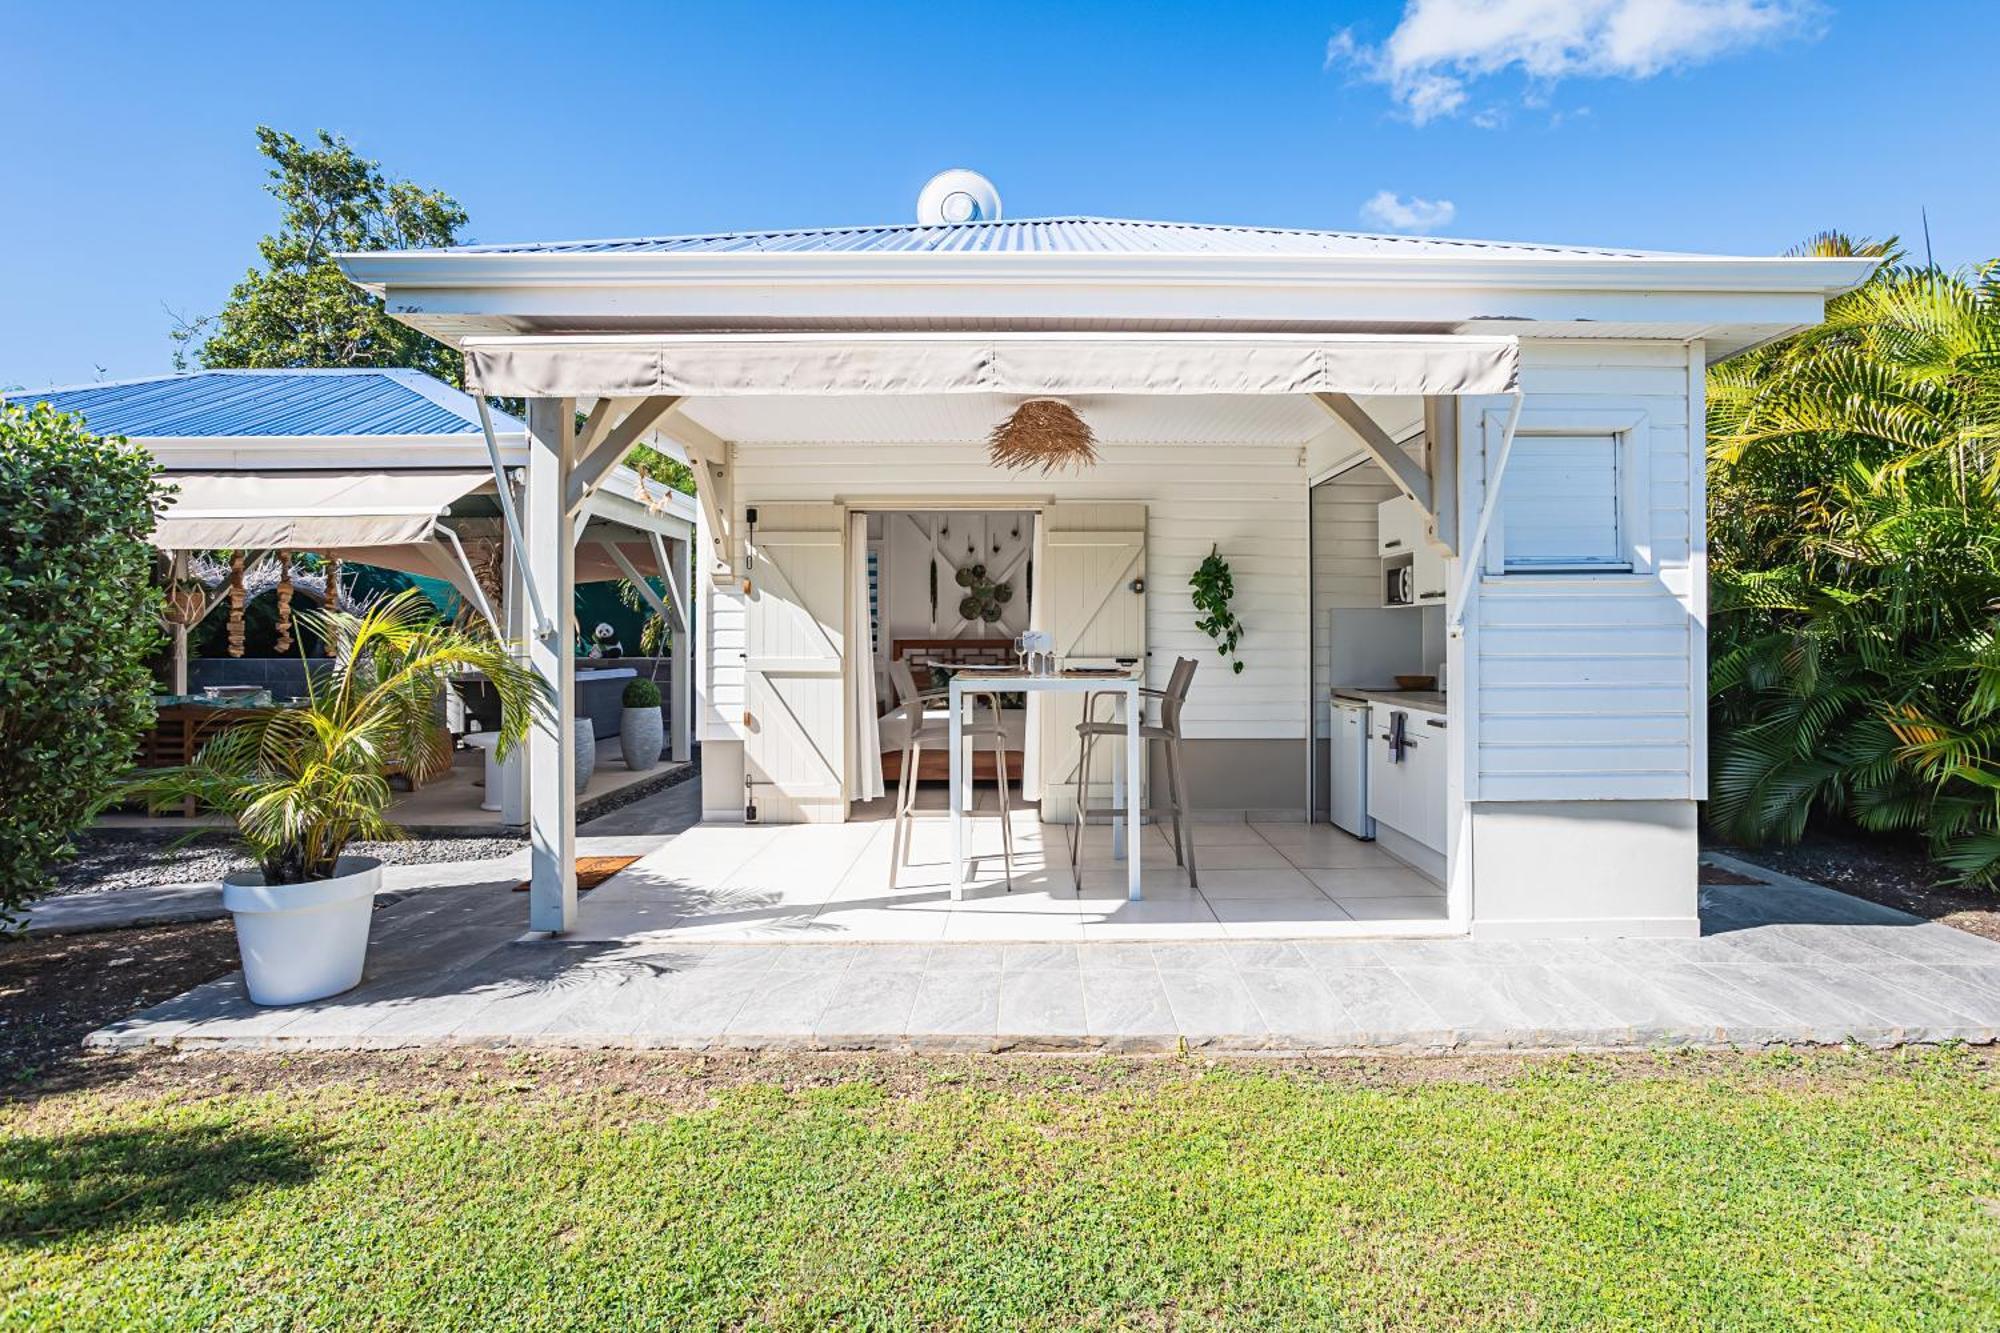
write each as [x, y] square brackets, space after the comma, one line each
[794, 705]
[1094, 552]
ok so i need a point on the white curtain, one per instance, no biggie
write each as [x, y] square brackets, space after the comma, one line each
[864, 745]
[1031, 745]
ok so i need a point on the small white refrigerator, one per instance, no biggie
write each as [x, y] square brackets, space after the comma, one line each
[1347, 783]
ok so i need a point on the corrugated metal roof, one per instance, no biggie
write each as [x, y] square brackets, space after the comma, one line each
[272, 403]
[1065, 235]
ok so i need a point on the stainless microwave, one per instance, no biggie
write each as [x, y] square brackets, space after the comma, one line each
[1399, 585]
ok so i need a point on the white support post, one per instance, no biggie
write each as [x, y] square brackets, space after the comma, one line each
[178, 570]
[680, 649]
[513, 774]
[551, 567]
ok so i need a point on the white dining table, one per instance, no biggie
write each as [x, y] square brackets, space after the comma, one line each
[1125, 685]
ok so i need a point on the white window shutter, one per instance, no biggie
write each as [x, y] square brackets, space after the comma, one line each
[1562, 503]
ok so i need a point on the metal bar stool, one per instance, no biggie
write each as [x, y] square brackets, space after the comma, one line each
[1167, 731]
[928, 726]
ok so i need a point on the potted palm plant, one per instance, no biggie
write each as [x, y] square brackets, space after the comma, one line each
[301, 784]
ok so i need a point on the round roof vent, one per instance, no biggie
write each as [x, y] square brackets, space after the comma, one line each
[958, 195]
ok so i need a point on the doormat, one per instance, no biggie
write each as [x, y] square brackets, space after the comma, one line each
[591, 871]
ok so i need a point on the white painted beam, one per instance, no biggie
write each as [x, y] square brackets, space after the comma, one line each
[551, 567]
[1404, 471]
[591, 466]
[680, 720]
[676, 585]
[645, 589]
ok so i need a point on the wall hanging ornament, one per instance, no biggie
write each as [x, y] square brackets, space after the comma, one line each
[284, 637]
[236, 604]
[1045, 433]
[187, 603]
[983, 598]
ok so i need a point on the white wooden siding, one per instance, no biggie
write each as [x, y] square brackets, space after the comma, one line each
[1578, 687]
[1247, 499]
[1586, 684]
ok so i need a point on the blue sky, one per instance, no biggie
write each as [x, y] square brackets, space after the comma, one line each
[1719, 125]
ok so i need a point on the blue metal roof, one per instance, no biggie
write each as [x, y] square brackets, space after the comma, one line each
[1062, 235]
[272, 403]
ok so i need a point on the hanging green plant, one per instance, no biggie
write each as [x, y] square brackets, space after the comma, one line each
[1214, 586]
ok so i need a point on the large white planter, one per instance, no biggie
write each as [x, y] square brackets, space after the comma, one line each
[641, 737]
[303, 941]
[586, 752]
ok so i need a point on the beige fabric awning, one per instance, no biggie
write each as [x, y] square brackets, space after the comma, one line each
[734, 365]
[309, 511]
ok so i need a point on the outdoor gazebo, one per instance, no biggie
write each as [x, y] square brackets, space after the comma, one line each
[390, 468]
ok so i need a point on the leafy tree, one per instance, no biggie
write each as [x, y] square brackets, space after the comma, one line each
[1855, 565]
[79, 616]
[295, 308]
[666, 470]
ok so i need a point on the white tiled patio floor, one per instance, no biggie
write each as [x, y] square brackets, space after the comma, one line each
[723, 884]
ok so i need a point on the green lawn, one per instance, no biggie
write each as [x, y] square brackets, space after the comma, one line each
[1836, 1191]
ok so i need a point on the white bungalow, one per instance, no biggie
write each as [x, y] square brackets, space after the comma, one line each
[1420, 457]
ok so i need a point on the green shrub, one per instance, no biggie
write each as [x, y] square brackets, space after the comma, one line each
[1854, 534]
[79, 616]
[642, 693]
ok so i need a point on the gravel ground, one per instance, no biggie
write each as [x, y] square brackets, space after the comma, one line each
[129, 859]
[1894, 872]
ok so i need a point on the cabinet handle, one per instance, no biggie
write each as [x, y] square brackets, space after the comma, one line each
[1434, 722]
[1435, 593]
[1390, 546]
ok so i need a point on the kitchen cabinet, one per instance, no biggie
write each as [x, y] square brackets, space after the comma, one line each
[1399, 528]
[1400, 537]
[1408, 796]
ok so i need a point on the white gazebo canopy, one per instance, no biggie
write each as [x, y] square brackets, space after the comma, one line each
[386, 467]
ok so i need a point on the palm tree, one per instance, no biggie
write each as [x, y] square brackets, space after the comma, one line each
[301, 784]
[1855, 543]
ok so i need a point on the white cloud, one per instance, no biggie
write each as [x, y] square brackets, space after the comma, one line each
[1441, 47]
[1389, 210]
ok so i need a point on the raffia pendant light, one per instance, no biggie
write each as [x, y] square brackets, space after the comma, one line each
[1045, 433]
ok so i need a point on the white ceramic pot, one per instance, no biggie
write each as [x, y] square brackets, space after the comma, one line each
[307, 941]
[586, 752]
[641, 737]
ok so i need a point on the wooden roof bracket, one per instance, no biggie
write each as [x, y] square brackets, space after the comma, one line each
[708, 457]
[1408, 475]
